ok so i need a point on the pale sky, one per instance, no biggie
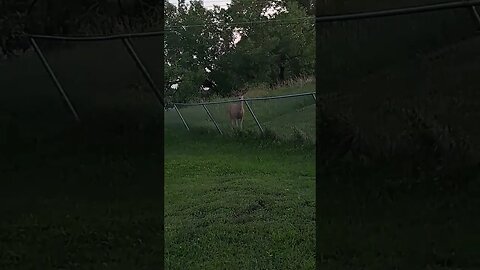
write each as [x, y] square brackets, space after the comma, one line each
[207, 3]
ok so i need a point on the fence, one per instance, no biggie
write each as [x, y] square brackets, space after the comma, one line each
[125, 38]
[470, 4]
[427, 87]
[275, 112]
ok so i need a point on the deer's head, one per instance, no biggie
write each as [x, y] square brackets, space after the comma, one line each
[240, 93]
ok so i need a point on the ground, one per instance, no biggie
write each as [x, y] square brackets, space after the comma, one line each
[241, 201]
[383, 218]
[238, 205]
[81, 203]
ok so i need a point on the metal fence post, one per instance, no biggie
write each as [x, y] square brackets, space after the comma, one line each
[476, 16]
[254, 116]
[54, 78]
[133, 54]
[211, 118]
[181, 117]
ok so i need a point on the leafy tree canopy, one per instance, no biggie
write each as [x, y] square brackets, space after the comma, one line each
[227, 49]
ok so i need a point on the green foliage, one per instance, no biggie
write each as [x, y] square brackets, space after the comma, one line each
[86, 17]
[268, 52]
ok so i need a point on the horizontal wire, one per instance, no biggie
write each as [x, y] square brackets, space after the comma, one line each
[291, 21]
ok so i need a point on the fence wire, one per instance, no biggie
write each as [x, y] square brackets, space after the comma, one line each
[404, 75]
[98, 81]
[284, 115]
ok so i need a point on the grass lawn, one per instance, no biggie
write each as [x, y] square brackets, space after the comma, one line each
[75, 203]
[375, 227]
[241, 201]
[233, 204]
[383, 218]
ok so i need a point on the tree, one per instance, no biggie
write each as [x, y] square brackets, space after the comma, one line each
[273, 52]
[58, 17]
[192, 52]
[268, 52]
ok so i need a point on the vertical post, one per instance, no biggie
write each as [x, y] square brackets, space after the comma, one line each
[213, 120]
[254, 116]
[54, 78]
[144, 70]
[181, 117]
[476, 15]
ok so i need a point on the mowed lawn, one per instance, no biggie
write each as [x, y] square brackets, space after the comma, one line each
[238, 203]
[73, 202]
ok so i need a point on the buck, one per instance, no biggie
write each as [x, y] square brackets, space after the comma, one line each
[236, 112]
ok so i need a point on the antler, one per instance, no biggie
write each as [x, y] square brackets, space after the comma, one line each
[240, 92]
[245, 90]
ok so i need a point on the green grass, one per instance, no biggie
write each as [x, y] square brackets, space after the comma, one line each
[377, 216]
[88, 197]
[281, 115]
[375, 227]
[242, 200]
[81, 201]
[238, 203]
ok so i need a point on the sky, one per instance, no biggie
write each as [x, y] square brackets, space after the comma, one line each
[207, 3]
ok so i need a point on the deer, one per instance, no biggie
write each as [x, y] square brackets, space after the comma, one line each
[236, 112]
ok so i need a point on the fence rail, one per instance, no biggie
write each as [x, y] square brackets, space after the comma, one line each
[100, 38]
[471, 4]
[125, 38]
[246, 101]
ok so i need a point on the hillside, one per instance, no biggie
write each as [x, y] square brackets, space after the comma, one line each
[443, 87]
[409, 199]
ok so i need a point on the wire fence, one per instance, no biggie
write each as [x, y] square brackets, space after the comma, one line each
[210, 109]
[282, 114]
[467, 4]
[423, 70]
[127, 43]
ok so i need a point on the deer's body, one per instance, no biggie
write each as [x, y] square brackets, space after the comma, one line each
[236, 112]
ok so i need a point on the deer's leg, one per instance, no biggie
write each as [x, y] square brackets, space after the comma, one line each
[241, 123]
